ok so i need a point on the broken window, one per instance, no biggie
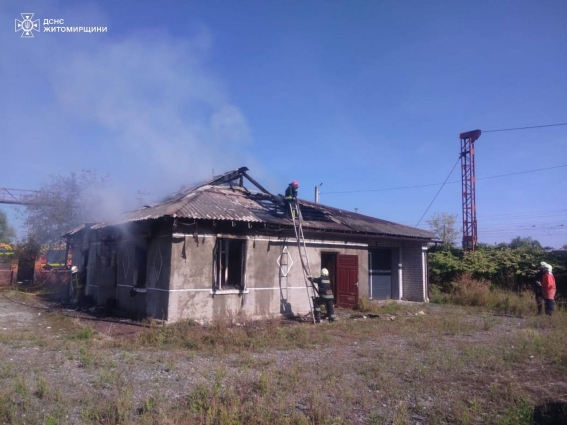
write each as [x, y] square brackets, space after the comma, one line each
[228, 264]
[108, 253]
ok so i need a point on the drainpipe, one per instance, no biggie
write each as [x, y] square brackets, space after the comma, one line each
[425, 277]
[400, 275]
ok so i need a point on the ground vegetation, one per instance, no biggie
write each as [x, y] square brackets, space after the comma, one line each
[437, 363]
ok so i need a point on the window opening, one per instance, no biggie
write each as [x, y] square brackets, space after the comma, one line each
[141, 255]
[229, 264]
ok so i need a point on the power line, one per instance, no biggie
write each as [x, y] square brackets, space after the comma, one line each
[522, 172]
[525, 219]
[437, 184]
[522, 217]
[386, 189]
[439, 191]
[524, 128]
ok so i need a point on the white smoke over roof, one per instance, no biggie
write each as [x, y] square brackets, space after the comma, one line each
[142, 107]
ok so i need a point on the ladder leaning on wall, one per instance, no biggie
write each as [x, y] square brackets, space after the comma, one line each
[302, 249]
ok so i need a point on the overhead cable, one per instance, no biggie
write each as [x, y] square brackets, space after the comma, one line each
[524, 128]
[439, 191]
[437, 184]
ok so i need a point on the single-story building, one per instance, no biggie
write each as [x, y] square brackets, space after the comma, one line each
[222, 250]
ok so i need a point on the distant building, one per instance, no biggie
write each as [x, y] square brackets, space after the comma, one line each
[221, 249]
[8, 265]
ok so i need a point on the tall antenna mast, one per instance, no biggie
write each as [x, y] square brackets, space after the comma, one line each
[470, 236]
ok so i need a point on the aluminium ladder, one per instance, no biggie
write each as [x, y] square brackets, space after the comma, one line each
[302, 249]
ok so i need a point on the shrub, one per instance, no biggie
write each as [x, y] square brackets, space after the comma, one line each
[468, 291]
[504, 267]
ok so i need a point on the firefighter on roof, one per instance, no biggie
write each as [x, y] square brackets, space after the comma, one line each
[290, 197]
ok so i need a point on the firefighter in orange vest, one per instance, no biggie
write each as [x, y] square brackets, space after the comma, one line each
[548, 288]
[325, 297]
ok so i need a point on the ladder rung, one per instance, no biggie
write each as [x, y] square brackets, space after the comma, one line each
[302, 248]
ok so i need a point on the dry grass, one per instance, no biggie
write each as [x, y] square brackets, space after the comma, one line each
[471, 292]
[452, 365]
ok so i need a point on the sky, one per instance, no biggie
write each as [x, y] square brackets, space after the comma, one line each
[364, 98]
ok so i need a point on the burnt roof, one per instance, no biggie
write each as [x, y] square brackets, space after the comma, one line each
[226, 198]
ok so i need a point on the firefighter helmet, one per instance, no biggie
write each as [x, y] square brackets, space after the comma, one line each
[324, 272]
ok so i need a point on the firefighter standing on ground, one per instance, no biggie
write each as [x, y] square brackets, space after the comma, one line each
[78, 284]
[548, 288]
[326, 297]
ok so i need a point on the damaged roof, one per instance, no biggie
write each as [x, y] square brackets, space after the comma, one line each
[226, 198]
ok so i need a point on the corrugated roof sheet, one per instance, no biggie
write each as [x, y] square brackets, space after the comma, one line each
[207, 203]
[235, 203]
[365, 224]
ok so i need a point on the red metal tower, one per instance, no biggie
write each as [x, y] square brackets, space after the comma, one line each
[468, 182]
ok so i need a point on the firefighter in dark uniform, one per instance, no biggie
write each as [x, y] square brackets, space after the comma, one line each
[325, 297]
[78, 285]
[290, 197]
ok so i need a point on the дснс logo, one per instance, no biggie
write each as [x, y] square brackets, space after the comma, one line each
[27, 25]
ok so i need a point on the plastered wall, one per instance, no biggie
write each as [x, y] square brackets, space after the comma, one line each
[271, 290]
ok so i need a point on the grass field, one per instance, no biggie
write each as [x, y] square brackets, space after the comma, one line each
[413, 364]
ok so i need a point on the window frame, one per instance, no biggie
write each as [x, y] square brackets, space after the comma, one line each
[222, 265]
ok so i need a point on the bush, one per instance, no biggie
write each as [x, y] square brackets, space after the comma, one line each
[468, 291]
[502, 266]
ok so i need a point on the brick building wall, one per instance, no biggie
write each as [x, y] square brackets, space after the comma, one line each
[413, 272]
[413, 267]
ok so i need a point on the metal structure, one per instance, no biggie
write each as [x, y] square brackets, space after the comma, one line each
[470, 235]
[18, 196]
[302, 249]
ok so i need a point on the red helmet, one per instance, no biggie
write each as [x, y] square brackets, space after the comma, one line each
[295, 183]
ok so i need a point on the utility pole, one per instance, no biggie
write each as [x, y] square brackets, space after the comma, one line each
[317, 193]
[470, 236]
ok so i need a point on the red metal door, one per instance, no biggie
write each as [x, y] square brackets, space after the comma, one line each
[347, 281]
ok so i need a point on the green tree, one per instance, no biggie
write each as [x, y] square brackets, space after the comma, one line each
[445, 265]
[7, 232]
[528, 242]
[502, 266]
[64, 202]
[443, 225]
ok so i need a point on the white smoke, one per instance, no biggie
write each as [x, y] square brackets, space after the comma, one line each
[144, 108]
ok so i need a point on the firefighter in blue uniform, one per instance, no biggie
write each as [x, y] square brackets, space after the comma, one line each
[325, 296]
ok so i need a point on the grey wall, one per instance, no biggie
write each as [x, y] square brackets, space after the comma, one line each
[268, 292]
[412, 267]
[413, 279]
[179, 272]
[157, 276]
[114, 270]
